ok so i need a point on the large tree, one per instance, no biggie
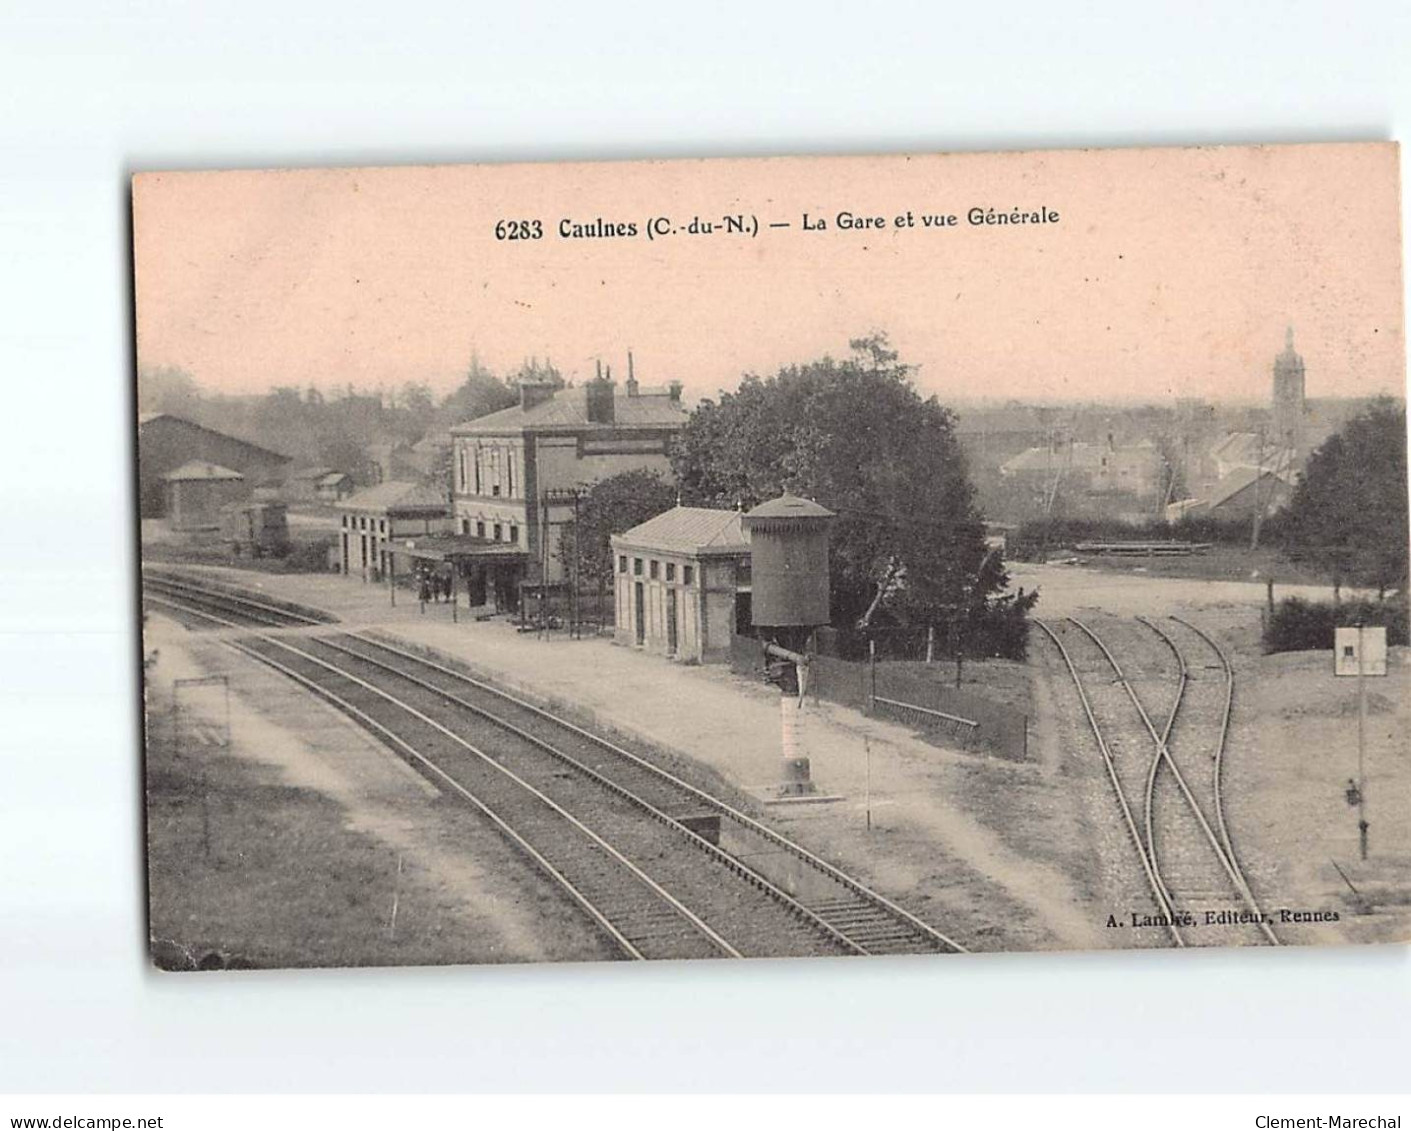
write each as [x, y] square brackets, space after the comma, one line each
[609, 507]
[1348, 514]
[479, 394]
[856, 436]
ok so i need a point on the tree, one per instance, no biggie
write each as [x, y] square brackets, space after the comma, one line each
[167, 389]
[416, 409]
[609, 507]
[1348, 513]
[856, 436]
[479, 394]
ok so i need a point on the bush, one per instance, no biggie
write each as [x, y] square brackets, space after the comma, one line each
[1000, 630]
[1036, 534]
[1300, 626]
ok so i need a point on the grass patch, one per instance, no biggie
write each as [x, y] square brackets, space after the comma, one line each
[246, 871]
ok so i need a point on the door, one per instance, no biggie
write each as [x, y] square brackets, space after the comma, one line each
[671, 622]
[639, 609]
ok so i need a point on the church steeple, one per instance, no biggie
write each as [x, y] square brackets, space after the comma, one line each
[1288, 403]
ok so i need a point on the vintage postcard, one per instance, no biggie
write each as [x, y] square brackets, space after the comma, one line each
[774, 558]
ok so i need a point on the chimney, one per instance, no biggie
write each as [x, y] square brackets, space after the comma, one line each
[600, 401]
[631, 376]
[532, 392]
[673, 390]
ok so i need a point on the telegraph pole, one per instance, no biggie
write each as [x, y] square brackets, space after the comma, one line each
[1258, 508]
[1361, 740]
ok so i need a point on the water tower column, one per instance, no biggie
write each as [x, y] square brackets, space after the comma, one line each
[789, 575]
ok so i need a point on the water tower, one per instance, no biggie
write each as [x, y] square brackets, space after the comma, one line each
[789, 568]
[790, 599]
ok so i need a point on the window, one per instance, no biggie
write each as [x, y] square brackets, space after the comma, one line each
[495, 490]
[621, 563]
[345, 522]
[670, 571]
[498, 529]
[514, 533]
[382, 525]
[654, 569]
[637, 567]
[465, 526]
[480, 530]
[687, 575]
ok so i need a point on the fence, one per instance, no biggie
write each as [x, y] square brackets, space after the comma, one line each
[933, 708]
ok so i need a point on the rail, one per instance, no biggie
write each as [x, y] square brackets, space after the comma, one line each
[861, 891]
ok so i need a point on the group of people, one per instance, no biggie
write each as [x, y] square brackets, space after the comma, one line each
[434, 586]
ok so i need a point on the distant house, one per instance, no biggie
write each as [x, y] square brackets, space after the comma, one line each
[318, 484]
[166, 442]
[197, 490]
[507, 466]
[334, 486]
[682, 581]
[1245, 450]
[1240, 494]
[1133, 469]
[301, 484]
[395, 461]
[370, 519]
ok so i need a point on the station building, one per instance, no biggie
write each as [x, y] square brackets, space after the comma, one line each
[514, 471]
[682, 583]
[371, 519]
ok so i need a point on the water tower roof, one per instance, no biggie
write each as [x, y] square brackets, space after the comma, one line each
[789, 506]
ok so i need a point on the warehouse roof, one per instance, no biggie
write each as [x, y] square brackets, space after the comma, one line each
[146, 419]
[396, 495]
[197, 469]
[697, 531]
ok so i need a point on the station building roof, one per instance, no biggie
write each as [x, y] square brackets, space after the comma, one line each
[692, 531]
[397, 495]
[567, 411]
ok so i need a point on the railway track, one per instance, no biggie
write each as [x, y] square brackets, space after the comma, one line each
[1163, 747]
[616, 831]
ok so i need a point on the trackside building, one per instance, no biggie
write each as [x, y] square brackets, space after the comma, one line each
[682, 583]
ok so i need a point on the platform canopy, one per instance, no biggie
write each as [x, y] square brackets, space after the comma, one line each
[457, 548]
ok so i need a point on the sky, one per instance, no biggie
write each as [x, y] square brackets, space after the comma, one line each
[1168, 273]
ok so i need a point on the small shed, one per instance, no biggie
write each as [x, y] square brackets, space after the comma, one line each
[258, 528]
[682, 582]
[196, 492]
